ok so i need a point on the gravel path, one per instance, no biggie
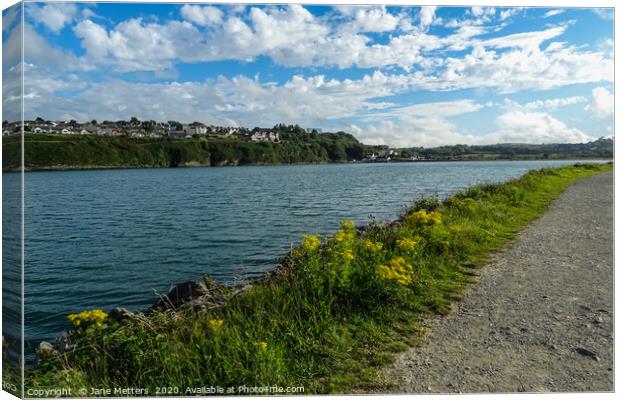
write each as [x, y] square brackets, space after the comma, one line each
[539, 319]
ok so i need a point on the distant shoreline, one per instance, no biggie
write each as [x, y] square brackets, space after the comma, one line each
[104, 167]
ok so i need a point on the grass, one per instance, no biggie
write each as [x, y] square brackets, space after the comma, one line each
[338, 308]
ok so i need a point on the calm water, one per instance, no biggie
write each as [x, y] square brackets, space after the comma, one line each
[100, 239]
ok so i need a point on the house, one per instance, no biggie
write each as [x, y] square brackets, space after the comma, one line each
[66, 131]
[262, 136]
[104, 131]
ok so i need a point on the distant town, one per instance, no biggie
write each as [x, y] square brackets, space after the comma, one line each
[172, 143]
[135, 128]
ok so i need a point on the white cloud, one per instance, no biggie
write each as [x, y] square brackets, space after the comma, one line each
[312, 101]
[606, 14]
[52, 15]
[427, 15]
[11, 17]
[552, 104]
[202, 15]
[534, 127]
[293, 37]
[506, 13]
[482, 11]
[370, 19]
[551, 13]
[94, 38]
[413, 132]
[602, 103]
[527, 68]
[526, 40]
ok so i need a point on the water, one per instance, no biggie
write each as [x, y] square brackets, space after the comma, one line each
[101, 239]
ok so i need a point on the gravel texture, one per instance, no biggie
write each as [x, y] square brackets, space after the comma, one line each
[539, 319]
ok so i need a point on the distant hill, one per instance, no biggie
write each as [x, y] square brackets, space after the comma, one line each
[90, 151]
[601, 148]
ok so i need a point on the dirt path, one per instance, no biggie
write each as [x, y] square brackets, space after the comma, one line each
[540, 317]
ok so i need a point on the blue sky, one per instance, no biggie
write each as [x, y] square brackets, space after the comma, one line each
[401, 76]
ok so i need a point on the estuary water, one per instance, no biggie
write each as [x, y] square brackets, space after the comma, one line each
[107, 238]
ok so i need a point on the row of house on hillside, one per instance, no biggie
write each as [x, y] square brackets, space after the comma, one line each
[138, 129]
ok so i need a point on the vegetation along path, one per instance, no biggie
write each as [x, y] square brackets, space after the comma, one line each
[540, 318]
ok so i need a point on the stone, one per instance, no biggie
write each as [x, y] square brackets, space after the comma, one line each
[586, 353]
[181, 293]
[120, 314]
[46, 350]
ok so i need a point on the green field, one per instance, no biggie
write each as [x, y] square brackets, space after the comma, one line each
[337, 309]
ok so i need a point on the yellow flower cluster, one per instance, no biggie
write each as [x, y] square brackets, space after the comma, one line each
[347, 255]
[342, 236]
[407, 244]
[215, 324]
[262, 345]
[346, 224]
[396, 270]
[85, 318]
[374, 247]
[310, 243]
[423, 218]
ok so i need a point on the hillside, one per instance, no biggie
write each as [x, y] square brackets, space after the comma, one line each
[601, 148]
[89, 151]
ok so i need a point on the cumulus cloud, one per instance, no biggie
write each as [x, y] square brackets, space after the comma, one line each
[312, 101]
[53, 15]
[427, 15]
[202, 15]
[293, 37]
[526, 67]
[371, 19]
[602, 103]
[534, 127]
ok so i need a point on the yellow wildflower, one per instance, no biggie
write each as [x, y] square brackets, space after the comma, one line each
[434, 218]
[347, 255]
[262, 345]
[85, 318]
[215, 324]
[423, 218]
[372, 246]
[407, 244]
[342, 236]
[310, 243]
[396, 270]
[346, 224]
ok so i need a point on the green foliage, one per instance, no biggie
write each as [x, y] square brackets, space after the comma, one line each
[340, 306]
[601, 148]
[55, 151]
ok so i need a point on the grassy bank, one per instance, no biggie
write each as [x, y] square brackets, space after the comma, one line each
[338, 307]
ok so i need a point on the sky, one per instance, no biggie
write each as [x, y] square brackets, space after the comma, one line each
[401, 76]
